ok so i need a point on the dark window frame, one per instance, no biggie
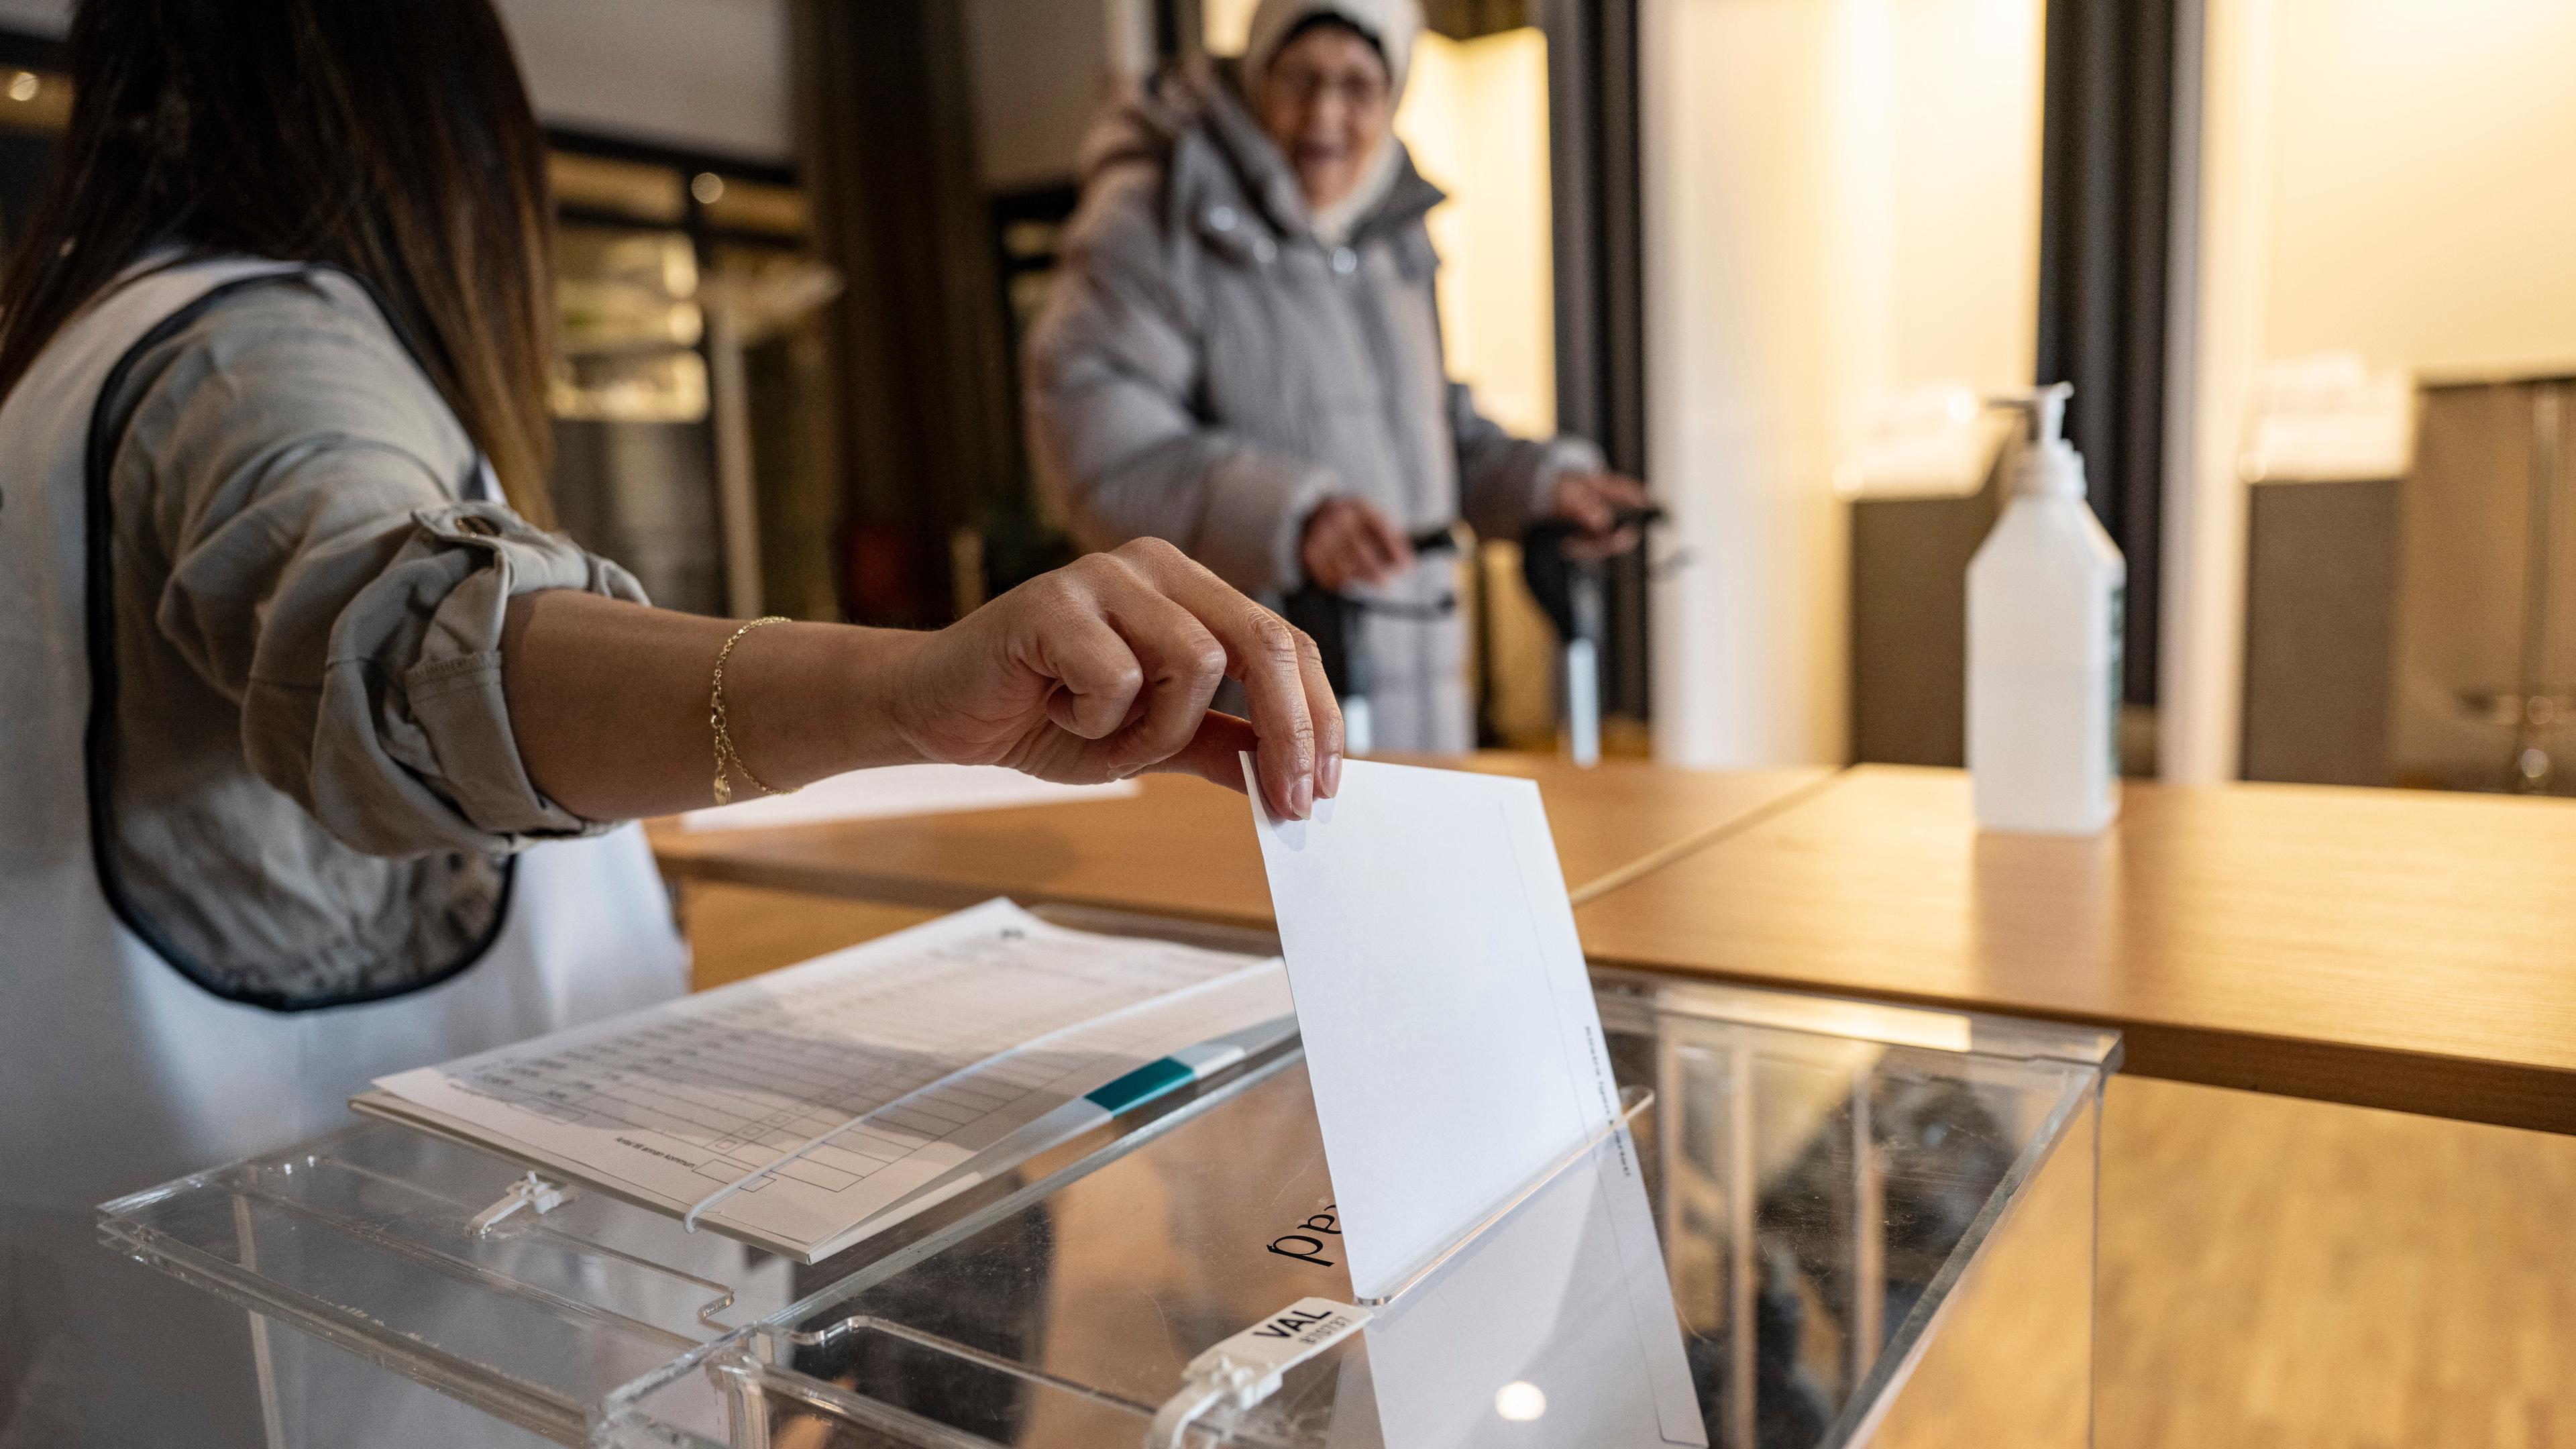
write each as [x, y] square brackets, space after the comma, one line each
[1595, 176]
[2105, 274]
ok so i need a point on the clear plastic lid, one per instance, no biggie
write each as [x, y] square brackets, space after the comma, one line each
[1797, 1242]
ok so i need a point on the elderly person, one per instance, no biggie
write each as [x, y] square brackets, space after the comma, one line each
[1243, 356]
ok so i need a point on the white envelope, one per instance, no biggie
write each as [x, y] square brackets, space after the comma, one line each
[1448, 1021]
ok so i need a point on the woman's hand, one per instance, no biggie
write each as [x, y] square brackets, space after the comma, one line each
[1100, 670]
[1591, 502]
[1104, 668]
[1348, 541]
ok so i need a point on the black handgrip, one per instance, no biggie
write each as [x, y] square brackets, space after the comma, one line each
[1444, 539]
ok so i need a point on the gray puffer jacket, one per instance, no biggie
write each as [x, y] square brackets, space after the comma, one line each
[1207, 370]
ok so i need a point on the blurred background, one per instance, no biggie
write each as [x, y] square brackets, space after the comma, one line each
[2294, 255]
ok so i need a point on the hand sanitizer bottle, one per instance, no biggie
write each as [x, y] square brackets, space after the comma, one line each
[2045, 598]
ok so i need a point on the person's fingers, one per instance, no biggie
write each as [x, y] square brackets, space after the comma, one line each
[1365, 564]
[1387, 546]
[1183, 665]
[1592, 548]
[1098, 675]
[1373, 557]
[1366, 549]
[1622, 490]
[1354, 542]
[1261, 651]
[1341, 559]
[1326, 711]
[1579, 501]
[1215, 752]
[1341, 551]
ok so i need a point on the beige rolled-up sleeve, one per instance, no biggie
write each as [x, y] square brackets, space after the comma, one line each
[409, 732]
[299, 489]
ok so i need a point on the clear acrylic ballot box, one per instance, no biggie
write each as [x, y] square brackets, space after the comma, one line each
[1824, 1223]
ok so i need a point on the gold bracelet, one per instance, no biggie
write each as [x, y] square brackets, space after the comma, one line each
[726, 755]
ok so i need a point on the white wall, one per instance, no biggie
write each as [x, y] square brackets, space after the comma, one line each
[2378, 175]
[701, 74]
[1474, 118]
[1841, 200]
[1223, 24]
[2422, 206]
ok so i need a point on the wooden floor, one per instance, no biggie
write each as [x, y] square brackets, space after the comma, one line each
[2296, 1275]
[2274, 1273]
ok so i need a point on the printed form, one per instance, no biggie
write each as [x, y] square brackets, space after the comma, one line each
[797, 1109]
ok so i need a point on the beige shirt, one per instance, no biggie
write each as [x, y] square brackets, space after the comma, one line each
[315, 783]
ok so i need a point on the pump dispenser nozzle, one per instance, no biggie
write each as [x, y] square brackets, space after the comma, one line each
[2044, 407]
[2047, 463]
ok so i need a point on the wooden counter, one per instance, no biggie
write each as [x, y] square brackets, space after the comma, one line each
[2377, 947]
[1185, 848]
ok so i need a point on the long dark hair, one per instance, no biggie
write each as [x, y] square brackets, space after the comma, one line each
[387, 137]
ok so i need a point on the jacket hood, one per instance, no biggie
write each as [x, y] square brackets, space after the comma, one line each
[1192, 121]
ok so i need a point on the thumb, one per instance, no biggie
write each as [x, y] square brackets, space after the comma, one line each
[1215, 752]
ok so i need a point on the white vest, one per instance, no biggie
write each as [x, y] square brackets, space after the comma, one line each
[116, 1072]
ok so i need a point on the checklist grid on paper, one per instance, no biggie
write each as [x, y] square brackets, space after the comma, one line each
[687, 1098]
[755, 1078]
